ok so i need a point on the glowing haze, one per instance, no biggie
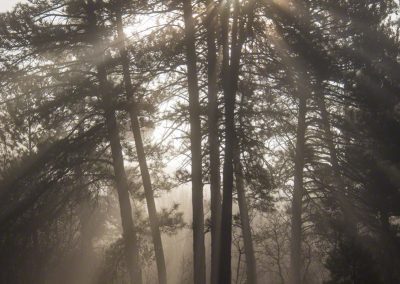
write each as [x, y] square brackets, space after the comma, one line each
[6, 5]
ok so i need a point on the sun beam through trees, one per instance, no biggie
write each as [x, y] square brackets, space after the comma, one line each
[232, 141]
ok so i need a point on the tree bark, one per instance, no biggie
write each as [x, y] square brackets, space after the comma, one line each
[298, 191]
[213, 140]
[144, 170]
[199, 272]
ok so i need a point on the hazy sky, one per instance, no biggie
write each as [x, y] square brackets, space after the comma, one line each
[6, 5]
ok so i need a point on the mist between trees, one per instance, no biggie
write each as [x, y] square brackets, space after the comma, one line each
[236, 141]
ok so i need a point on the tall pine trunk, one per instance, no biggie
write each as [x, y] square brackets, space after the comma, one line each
[298, 192]
[144, 170]
[230, 78]
[213, 140]
[199, 265]
[224, 276]
[131, 247]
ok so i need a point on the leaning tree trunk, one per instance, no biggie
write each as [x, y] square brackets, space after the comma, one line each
[144, 170]
[199, 264]
[298, 191]
[129, 231]
[131, 247]
[213, 140]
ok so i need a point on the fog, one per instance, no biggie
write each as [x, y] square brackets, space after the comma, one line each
[204, 142]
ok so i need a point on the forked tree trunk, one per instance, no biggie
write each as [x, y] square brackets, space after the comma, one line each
[298, 192]
[131, 247]
[230, 80]
[199, 265]
[129, 230]
[144, 170]
[213, 140]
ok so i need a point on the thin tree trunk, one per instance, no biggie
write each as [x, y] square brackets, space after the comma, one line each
[245, 222]
[298, 191]
[131, 247]
[199, 264]
[144, 170]
[251, 268]
[238, 266]
[213, 141]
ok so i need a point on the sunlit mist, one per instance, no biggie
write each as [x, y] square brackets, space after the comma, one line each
[204, 142]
